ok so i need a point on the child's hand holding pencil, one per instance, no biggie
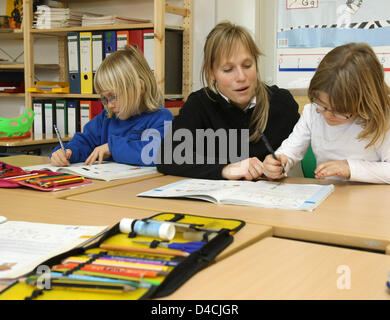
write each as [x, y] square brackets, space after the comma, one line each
[274, 168]
[59, 159]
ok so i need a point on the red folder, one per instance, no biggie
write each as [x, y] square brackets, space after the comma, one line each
[137, 39]
[95, 109]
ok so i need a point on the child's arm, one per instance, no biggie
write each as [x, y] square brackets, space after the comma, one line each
[373, 171]
[368, 171]
[295, 146]
[360, 170]
[134, 148]
[83, 143]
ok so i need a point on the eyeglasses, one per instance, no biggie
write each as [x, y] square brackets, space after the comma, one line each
[340, 116]
[107, 100]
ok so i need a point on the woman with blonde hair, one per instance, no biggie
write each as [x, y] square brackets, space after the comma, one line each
[347, 122]
[235, 107]
[132, 104]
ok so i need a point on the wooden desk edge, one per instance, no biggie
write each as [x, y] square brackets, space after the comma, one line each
[363, 241]
[291, 232]
[114, 183]
[265, 234]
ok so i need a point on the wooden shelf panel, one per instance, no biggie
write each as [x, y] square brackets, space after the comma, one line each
[11, 66]
[12, 95]
[65, 95]
[32, 140]
[11, 34]
[89, 96]
[20, 66]
[64, 31]
[173, 96]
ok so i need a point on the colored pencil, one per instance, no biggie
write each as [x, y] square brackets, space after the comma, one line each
[168, 252]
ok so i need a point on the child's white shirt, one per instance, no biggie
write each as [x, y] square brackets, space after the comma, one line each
[338, 142]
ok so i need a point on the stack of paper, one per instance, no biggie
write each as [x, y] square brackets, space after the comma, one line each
[89, 21]
[46, 17]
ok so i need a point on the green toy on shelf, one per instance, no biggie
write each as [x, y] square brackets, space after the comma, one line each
[17, 127]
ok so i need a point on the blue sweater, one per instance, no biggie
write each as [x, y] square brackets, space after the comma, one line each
[123, 136]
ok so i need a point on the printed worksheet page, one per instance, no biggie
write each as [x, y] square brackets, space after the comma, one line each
[24, 245]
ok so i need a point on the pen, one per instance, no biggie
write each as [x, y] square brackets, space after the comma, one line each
[184, 246]
[269, 148]
[59, 138]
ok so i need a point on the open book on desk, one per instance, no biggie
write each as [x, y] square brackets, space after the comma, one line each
[247, 193]
[106, 171]
[25, 245]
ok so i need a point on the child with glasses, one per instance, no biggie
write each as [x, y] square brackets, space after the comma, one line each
[132, 106]
[347, 122]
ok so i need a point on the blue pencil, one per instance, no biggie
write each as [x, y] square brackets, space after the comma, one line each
[59, 138]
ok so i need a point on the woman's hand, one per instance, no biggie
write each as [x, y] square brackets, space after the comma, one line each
[248, 169]
[59, 159]
[99, 153]
[338, 168]
[273, 168]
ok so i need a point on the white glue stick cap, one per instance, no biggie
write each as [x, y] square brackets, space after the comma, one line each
[125, 225]
[167, 231]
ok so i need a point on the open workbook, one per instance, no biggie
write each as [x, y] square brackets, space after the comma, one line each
[25, 245]
[106, 171]
[247, 193]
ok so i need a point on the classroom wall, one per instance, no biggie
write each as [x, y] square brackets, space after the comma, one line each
[242, 12]
[206, 14]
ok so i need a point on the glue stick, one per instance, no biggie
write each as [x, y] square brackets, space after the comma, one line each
[163, 230]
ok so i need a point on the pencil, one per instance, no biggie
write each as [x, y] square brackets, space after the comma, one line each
[59, 138]
[169, 252]
[269, 148]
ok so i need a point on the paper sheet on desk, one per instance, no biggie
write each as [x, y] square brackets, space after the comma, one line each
[24, 245]
[106, 171]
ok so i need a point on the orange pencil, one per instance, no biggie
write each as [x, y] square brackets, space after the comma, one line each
[30, 176]
[120, 271]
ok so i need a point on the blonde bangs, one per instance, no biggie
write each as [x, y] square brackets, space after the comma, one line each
[222, 42]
